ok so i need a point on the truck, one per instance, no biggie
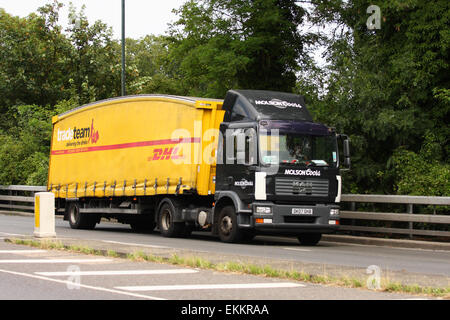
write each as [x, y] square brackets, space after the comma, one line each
[253, 163]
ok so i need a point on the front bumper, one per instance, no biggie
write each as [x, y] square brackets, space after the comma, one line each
[288, 219]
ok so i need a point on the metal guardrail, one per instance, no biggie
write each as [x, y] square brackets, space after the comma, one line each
[409, 215]
[22, 198]
[19, 197]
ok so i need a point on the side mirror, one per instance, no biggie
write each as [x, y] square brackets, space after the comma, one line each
[346, 145]
[240, 148]
[246, 147]
[347, 162]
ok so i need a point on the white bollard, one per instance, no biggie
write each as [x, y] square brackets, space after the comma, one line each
[44, 215]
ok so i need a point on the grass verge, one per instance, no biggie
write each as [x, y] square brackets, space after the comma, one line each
[243, 268]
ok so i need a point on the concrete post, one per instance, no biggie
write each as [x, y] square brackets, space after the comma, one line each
[44, 215]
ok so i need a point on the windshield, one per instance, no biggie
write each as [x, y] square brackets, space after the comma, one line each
[298, 149]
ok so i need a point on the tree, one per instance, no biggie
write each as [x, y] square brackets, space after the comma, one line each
[218, 45]
[94, 58]
[33, 67]
[387, 88]
[43, 72]
[24, 151]
[148, 59]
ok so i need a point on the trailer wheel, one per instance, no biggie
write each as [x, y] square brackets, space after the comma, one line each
[166, 225]
[78, 220]
[228, 227]
[309, 239]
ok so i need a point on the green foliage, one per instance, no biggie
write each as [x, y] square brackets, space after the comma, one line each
[418, 175]
[45, 72]
[148, 59]
[388, 89]
[32, 55]
[422, 173]
[24, 151]
[218, 45]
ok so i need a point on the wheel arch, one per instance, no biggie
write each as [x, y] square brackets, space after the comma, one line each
[227, 198]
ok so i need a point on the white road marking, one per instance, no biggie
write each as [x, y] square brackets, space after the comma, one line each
[116, 272]
[297, 249]
[10, 261]
[213, 286]
[134, 244]
[11, 234]
[82, 285]
[23, 251]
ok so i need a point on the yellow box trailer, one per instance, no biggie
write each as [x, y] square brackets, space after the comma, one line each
[253, 162]
[130, 147]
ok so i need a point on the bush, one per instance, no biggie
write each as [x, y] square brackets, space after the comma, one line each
[420, 174]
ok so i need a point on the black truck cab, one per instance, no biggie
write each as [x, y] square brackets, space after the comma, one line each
[277, 171]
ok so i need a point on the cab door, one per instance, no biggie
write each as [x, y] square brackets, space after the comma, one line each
[239, 155]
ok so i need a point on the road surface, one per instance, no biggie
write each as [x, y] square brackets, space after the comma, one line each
[425, 267]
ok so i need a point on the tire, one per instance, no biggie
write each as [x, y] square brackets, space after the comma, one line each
[227, 226]
[309, 239]
[78, 220]
[166, 226]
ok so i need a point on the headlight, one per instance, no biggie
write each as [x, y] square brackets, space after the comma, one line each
[266, 210]
[334, 212]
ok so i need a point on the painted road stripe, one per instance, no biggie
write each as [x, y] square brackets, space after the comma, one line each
[23, 251]
[213, 286]
[81, 285]
[9, 261]
[11, 234]
[134, 244]
[297, 249]
[116, 272]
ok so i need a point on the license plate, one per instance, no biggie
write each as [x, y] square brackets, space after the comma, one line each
[302, 211]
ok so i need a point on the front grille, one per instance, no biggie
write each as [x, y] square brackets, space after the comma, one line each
[306, 187]
[295, 219]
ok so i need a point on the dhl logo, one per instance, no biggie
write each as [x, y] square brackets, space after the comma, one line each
[165, 154]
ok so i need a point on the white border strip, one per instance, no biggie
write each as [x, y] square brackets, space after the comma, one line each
[116, 272]
[23, 251]
[18, 261]
[214, 286]
[134, 244]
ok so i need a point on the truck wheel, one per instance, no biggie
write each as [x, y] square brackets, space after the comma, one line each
[167, 227]
[309, 239]
[228, 227]
[78, 220]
